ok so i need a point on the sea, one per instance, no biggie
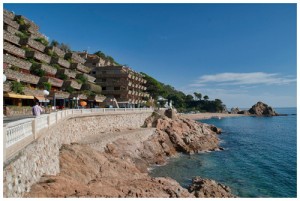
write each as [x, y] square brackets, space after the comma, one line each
[259, 157]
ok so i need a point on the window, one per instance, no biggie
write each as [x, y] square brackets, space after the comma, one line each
[103, 80]
[116, 88]
[103, 88]
[103, 72]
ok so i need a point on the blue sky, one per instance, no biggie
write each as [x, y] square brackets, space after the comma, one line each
[239, 53]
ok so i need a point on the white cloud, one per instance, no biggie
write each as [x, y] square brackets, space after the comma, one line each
[254, 78]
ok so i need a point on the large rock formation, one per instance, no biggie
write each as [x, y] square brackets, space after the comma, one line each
[122, 170]
[262, 109]
[207, 188]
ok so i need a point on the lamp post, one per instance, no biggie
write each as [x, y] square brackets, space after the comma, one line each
[46, 93]
[76, 99]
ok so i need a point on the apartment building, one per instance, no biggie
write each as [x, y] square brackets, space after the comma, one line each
[31, 65]
[123, 84]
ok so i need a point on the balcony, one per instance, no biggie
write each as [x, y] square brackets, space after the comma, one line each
[59, 94]
[7, 86]
[14, 50]
[53, 81]
[58, 51]
[115, 92]
[67, 72]
[119, 75]
[37, 35]
[97, 98]
[19, 76]
[33, 44]
[33, 92]
[48, 69]
[91, 87]
[39, 56]
[75, 57]
[8, 14]
[89, 78]
[61, 62]
[72, 83]
[11, 30]
[33, 27]
[11, 38]
[14, 61]
[10, 22]
[80, 96]
[80, 67]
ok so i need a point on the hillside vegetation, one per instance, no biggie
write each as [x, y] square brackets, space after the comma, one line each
[181, 101]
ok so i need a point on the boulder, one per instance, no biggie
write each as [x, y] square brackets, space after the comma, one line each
[207, 188]
[262, 109]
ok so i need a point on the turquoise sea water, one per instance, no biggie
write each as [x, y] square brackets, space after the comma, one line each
[259, 160]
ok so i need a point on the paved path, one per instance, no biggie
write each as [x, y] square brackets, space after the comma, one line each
[16, 118]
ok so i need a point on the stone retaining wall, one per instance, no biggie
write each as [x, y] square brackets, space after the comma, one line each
[42, 156]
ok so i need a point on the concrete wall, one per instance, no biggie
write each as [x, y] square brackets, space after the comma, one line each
[42, 155]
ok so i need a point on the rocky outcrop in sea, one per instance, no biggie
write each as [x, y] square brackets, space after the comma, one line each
[122, 169]
[262, 109]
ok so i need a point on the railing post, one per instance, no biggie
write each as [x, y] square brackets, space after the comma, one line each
[4, 143]
[34, 129]
[48, 120]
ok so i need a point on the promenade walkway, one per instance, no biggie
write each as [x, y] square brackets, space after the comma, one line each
[18, 132]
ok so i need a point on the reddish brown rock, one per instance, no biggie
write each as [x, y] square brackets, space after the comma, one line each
[262, 109]
[207, 188]
[122, 170]
[86, 172]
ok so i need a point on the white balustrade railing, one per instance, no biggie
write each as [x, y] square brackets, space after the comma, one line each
[52, 118]
[18, 130]
[41, 122]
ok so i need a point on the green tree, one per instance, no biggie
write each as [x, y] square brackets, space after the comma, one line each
[198, 95]
[206, 97]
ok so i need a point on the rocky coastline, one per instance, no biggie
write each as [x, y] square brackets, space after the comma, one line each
[121, 170]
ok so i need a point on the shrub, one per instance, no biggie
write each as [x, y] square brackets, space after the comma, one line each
[17, 87]
[36, 70]
[63, 76]
[56, 66]
[69, 89]
[47, 86]
[82, 79]
[22, 35]
[42, 40]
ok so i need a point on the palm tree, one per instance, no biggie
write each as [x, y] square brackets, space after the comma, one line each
[206, 97]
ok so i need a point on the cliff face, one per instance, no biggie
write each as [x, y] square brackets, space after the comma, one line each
[121, 171]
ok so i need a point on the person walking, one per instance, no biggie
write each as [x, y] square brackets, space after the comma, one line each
[36, 110]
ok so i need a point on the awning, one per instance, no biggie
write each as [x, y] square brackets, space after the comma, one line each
[13, 95]
[99, 101]
[42, 99]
